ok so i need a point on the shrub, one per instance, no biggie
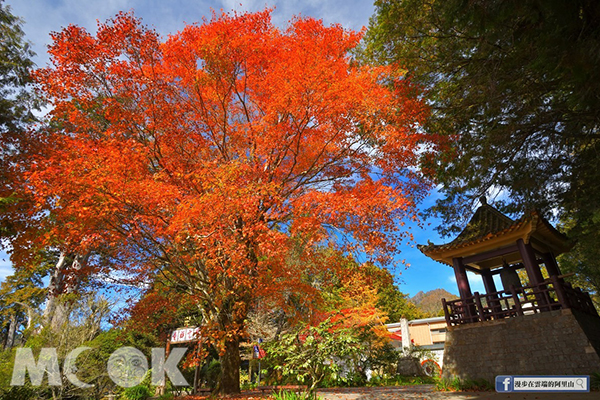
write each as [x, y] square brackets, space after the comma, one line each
[136, 393]
[290, 395]
[595, 381]
[19, 393]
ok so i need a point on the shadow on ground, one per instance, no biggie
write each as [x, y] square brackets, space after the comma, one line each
[418, 392]
[426, 392]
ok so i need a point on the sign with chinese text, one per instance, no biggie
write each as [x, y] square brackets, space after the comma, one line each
[183, 335]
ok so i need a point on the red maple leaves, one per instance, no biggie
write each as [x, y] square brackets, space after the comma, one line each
[215, 154]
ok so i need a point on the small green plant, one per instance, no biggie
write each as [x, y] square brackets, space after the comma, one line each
[308, 353]
[399, 380]
[248, 385]
[136, 393]
[212, 373]
[447, 385]
[166, 396]
[595, 381]
[291, 395]
[19, 393]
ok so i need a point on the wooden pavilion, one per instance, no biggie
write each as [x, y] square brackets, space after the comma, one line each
[494, 244]
[536, 323]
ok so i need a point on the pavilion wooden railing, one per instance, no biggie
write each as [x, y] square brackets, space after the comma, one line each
[552, 294]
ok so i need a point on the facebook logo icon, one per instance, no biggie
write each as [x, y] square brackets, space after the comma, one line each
[504, 383]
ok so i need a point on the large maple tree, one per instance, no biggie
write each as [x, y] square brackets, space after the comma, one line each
[221, 156]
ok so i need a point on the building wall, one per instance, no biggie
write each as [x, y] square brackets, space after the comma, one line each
[438, 332]
[550, 343]
[423, 332]
[420, 334]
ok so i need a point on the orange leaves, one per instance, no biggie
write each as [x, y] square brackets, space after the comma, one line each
[219, 153]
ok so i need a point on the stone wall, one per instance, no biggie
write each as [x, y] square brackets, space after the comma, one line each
[550, 343]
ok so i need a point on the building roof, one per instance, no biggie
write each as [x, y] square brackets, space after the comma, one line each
[485, 222]
[489, 229]
[431, 320]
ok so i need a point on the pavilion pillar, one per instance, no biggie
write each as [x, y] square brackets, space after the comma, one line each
[488, 281]
[533, 269]
[551, 265]
[531, 265]
[490, 287]
[464, 289]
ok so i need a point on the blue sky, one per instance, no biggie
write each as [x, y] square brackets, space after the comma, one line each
[44, 16]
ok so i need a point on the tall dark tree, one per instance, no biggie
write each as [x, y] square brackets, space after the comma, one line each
[515, 90]
[16, 104]
[15, 65]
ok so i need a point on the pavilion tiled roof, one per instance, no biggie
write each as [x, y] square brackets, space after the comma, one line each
[486, 220]
[487, 224]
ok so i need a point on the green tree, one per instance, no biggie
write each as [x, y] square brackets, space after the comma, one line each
[16, 101]
[312, 353]
[15, 65]
[584, 261]
[514, 87]
[21, 295]
[389, 299]
[82, 327]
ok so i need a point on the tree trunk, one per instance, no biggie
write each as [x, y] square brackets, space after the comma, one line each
[29, 313]
[12, 329]
[65, 279]
[230, 367]
[54, 288]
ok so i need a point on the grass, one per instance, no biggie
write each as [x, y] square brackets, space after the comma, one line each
[401, 381]
[464, 385]
[595, 381]
[292, 395]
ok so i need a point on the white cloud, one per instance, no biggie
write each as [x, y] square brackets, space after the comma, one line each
[45, 16]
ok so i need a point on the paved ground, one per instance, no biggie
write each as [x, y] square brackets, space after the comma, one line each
[419, 392]
[425, 392]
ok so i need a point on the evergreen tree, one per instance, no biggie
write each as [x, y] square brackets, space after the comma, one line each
[515, 91]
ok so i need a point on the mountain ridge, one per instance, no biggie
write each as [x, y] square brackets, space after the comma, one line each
[430, 302]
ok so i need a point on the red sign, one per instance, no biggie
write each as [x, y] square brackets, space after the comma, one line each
[185, 335]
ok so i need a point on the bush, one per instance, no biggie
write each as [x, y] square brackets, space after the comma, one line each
[308, 354]
[350, 379]
[213, 373]
[399, 380]
[19, 393]
[595, 381]
[290, 395]
[136, 393]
